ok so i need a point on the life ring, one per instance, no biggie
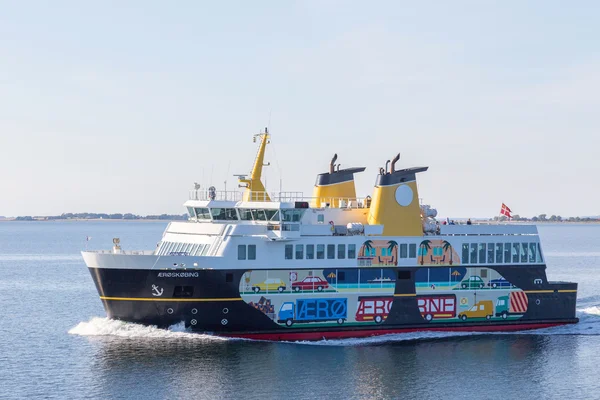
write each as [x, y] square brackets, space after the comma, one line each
[332, 225]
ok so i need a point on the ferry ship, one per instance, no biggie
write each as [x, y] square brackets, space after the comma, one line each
[279, 266]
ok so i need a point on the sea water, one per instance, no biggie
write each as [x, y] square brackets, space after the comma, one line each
[55, 341]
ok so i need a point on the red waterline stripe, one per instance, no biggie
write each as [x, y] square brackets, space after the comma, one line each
[292, 336]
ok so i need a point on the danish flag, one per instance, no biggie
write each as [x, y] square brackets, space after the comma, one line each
[505, 211]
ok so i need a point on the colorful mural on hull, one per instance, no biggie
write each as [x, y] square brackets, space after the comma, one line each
[362, 296]
[378, 253]
[322, 297]
[463, 294]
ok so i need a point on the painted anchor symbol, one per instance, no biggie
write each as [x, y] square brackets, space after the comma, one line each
[157, 291]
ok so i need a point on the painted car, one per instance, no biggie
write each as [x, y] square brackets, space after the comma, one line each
[481, 309]
[373, 309]
[270, 285]
[310, 283]
[473, 282]
[500, 282]
[513, 304]
[313, 310]
[434, 307]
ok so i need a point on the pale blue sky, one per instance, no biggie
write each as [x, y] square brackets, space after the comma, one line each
[106, 107]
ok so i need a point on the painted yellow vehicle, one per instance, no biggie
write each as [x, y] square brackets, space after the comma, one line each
[481, 309]
[269, 285]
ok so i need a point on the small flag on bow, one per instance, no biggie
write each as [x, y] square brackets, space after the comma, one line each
[505, 211]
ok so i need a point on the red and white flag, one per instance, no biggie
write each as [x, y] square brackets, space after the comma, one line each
[505, 211]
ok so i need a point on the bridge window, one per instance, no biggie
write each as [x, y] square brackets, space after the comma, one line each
[191, 212]
[299, 251]
[272, 215]
[241, 252]
[341, 251]
[289, 252]
[320, 251]
[310, 251]
[202, 213]
[251, 252]
[258, 215]
[320, 218]
[351, 251]
[224, 214]
[331, 251]
[245, 214]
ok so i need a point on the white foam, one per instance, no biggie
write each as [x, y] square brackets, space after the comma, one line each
[595, 310]
[589, 324]
[109, 327]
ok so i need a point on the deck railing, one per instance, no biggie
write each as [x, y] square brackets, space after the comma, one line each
[285, 197]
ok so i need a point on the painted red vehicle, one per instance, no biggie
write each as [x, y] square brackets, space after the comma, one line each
[310, 283]
[373, 308]
[439, 306]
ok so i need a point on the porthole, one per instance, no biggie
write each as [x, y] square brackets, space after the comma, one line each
[194, 311]
[225, 310]
[193, 322]
[538, 302]
[169, 311]
[224, 321]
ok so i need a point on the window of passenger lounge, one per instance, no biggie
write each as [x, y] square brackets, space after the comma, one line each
[501, 253]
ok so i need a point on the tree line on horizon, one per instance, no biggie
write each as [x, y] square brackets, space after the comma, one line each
[116, 216]
[545, 218]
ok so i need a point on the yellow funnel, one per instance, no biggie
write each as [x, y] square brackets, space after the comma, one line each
[395, 203]
[335, 186]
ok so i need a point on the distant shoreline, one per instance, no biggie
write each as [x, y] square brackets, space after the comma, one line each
[458, 221]
[91, 219]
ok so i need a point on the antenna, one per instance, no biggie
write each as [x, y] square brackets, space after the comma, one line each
[226, 175]
[269, 123]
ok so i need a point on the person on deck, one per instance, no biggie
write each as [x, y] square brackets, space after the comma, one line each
[469, 221]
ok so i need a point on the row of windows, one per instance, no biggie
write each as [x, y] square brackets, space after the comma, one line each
[501, 253]
[298, 251]
[246, 214]
[246, 252]
[251, 214]
[182, 249]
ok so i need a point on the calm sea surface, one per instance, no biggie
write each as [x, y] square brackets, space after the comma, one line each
[56, 343]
